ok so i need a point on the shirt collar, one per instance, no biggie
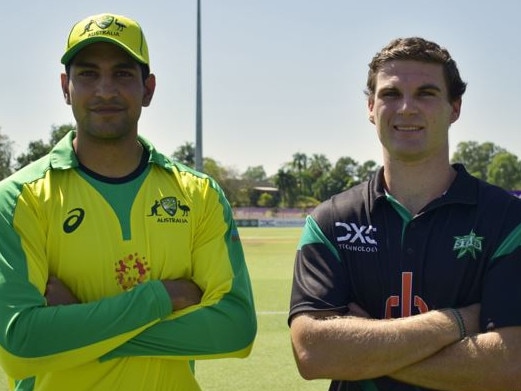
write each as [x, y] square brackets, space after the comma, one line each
[463, 190]
[63, 157]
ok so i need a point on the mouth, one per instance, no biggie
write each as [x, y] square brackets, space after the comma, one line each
[104, 110]
[408, 128]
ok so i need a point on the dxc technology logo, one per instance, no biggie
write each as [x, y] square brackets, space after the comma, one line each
[356, 238]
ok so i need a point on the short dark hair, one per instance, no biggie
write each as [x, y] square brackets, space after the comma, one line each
[417, 49]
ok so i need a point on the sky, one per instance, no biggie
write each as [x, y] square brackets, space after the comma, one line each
[279, 77]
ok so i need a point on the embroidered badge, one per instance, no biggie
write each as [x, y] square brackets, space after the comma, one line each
[468, 244]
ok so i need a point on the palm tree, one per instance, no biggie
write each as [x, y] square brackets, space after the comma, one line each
[287, 184]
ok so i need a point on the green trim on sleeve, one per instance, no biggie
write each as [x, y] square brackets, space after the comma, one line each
[510, 244]
[313, 234]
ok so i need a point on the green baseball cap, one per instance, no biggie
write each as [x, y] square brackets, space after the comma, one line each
[117, 29]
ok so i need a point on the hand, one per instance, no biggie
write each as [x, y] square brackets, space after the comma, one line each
[57, 293]
[183, 293]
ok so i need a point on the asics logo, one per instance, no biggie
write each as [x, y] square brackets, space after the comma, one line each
[74, 220]
[353, 233]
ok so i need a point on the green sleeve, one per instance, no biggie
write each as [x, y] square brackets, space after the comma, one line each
[223, 325]
[224, 329]
[38, 338]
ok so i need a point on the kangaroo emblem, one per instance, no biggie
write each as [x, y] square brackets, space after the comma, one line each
[103, 23]
[86, 29]
[184, 208]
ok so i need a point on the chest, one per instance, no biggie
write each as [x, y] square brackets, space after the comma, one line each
[104, 241]
[401, 267]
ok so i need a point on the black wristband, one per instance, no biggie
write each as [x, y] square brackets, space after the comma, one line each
[460, 322]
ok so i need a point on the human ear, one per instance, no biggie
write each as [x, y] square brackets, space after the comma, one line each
[370, 107]
[65, 88]
[456, 110]
[150, 87]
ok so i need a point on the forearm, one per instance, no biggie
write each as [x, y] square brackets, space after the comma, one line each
[222, 323]
[224, 329]
[484, 362]
[353, 348]
[51, 338]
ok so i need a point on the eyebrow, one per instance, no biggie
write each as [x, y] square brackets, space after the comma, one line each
[423, 87]
[430, 87]
[121, 65]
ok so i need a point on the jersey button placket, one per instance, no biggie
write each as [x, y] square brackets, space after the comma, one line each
[410, 241]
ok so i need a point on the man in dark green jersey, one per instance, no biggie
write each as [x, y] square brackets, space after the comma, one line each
[118, 267]
[410, 281]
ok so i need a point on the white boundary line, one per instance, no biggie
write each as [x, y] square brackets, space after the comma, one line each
[272, 312]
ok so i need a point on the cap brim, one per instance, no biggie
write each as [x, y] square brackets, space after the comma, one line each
[69, 55]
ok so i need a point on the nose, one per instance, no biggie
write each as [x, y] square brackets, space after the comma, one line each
[106, 88]
[407, 105]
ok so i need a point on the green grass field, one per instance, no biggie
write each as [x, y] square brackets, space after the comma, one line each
[269, 253]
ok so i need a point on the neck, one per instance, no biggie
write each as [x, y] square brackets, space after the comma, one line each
[109, 159]
[415, 185]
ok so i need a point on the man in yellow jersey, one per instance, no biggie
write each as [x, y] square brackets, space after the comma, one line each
[118, 267]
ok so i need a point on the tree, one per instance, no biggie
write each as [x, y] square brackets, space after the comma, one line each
[226, 178]
[476, 157]
[254, 174]
[319, 165]
[247, 188]
[266, 200]
[505, 170]
[185, 154]
[6, 152]
[367, 170]
[39, 148]
[287, 184]
[299, 165]
[58, 132]
[345, 173]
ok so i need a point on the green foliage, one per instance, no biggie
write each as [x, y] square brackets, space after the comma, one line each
[306, 202]
[304, 180]
[39, 148]
[505, 170]
[476, 157]
[6, 151]
[490, 162]
[266, 200]
[185, 154]
[254, 174]
[286, 181]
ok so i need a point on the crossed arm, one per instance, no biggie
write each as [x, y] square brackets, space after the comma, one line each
[183, 293]
[424, 350]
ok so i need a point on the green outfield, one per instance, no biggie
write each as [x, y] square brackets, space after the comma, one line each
[270, 367]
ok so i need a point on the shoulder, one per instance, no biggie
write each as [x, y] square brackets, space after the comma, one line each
[492, 196]
[495, 208]
[342, 206]
[469, 189]
[28, 174]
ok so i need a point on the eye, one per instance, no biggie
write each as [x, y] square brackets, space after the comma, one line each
[389, 93]
[426, 93]
[125, 74]
[87, 73]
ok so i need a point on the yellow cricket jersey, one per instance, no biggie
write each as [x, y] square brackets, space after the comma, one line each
[111, 242]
